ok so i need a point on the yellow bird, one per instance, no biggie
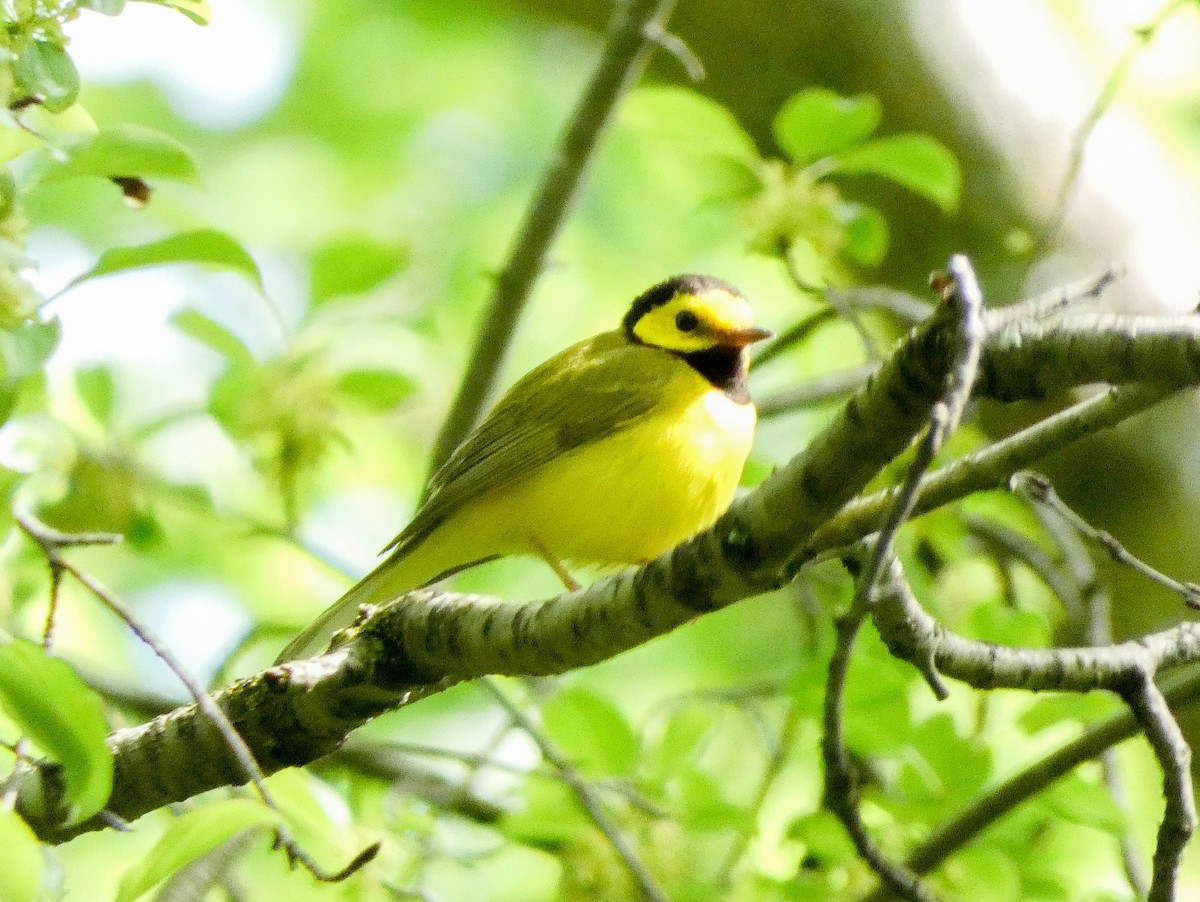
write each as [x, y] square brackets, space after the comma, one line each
[612, 452]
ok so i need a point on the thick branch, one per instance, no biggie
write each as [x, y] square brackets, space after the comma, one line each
[297, 713]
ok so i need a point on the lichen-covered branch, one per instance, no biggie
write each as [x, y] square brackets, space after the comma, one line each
[296, 713]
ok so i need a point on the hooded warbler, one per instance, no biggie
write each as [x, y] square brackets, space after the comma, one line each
[612, 452]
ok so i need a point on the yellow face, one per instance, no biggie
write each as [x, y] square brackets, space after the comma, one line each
[690, 314]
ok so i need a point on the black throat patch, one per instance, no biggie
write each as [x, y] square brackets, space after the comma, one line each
[725, 368]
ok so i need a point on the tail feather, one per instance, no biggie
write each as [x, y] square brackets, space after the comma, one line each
[388, 581]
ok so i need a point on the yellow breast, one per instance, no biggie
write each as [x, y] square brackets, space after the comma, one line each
[630, 496]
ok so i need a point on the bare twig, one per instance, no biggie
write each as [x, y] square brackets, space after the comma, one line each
[991, 806]
[841, 793]
[584, 793]
[51, 541]
[1138, 42]
[1126, 669]
[1092, 606]
[638, 27]
[816, 391]
[1038, 489]
[1175, 757]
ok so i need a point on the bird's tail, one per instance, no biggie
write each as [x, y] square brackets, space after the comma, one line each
[388, 581]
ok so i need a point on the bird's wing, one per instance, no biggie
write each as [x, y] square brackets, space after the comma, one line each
[587, 392]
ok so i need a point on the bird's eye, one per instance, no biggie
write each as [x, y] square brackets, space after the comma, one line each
[686, 321]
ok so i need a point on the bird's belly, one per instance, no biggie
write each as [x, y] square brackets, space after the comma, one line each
[636, 494]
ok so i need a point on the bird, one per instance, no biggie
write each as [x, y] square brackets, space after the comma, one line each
[610, 453]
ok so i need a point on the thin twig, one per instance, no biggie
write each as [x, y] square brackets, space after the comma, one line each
[583, 792]
[637, 28]
[1092, 606]
[989, 808]
[841, 793]
[1138, 42]
[1174, 755]
[51, 541]
[817, 391]
[1037, 488]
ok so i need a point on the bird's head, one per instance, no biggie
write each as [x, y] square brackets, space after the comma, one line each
[692, 314]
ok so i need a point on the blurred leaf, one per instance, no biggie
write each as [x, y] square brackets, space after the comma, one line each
[104, 7]
[917, 162]
[824, 837]
[549, 817]
[686, 728]
[126, 150]
[956, 767]
[196, 10]
[1057, 708]
[45, 69]
[702, 806]
[809, 266]
[1084, 802]
[189, 837]
[1000, 623]
[20, 860]
[866, 234]
[48, 702]
[206, 247]
[984, 875]
[817, 122]
[208, 331]
[592, 733]
[691, 121]
[378, 389]
[353, 265]
[25, 350]
[95, 387]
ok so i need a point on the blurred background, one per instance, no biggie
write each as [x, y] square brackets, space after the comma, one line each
[258, 431]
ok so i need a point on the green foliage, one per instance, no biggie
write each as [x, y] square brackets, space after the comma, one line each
[20, 860]
[189, 837]
[206, 247]
[361, 214]
[802, 214]
[45, 700]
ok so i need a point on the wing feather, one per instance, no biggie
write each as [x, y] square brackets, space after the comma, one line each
[576, 397]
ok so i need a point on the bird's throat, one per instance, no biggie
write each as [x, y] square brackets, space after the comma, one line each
[725, 368]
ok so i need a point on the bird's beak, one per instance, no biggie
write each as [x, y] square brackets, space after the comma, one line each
[740, 338]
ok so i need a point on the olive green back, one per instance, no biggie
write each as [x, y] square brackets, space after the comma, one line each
[587, 392]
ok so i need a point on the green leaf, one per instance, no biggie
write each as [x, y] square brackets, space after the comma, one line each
[25, 350]
[126, 150]
[353, 265]
[591, 732]
[196, 10]
[188, 838]
[825, 839]
[917, 162]
[549, 817]
[48, 702]
[21, 861]
[208, 331]
[95, 387]
[688, 120]
[377, 389]
[104, 7]
[702, 805]
[686, 729]
[43, 68]
[818, 122]
[205, 247]
[1086, 803]
[866, 234]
